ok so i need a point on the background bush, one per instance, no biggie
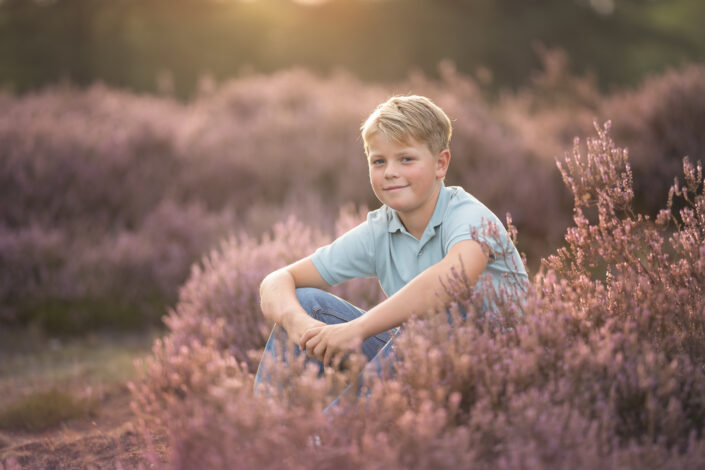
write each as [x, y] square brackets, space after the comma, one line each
[108, 197]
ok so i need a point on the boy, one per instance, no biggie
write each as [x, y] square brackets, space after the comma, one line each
[422, 231]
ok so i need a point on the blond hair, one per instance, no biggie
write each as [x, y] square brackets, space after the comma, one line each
[402, 117]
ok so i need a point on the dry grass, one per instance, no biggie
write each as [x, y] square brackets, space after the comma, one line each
[65, 404]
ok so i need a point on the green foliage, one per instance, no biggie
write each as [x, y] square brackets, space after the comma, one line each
[76, 316]
[44, 410]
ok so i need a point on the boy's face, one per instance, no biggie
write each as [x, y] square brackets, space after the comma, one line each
[405, 176]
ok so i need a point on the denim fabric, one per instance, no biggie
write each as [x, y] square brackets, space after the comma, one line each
[330, 309]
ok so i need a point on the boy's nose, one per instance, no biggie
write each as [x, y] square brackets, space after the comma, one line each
[391, 171]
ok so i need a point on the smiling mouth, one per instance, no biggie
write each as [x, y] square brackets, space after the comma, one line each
[394, 188]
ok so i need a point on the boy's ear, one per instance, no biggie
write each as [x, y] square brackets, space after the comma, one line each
[442, 162]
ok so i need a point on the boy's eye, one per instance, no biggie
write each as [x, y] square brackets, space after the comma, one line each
[406, 159]
[378, 161]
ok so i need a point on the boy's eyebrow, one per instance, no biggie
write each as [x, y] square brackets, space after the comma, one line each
[404, 150]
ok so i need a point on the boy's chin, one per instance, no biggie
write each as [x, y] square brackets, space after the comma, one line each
[397, 206]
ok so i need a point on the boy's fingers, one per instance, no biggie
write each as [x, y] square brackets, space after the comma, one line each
[332, 357]
[309, 345]
[319, 351]
[308, 334]
[304, 338]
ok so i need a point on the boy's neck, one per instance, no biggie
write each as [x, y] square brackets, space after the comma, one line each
[417, 222]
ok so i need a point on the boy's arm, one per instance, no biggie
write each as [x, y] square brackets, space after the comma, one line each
[425, 293]
[278, 297]
[421, 294]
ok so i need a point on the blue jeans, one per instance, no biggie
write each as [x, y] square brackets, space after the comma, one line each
[330, 309]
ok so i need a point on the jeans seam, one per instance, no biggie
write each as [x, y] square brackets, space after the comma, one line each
[380, 339]
[317, 309]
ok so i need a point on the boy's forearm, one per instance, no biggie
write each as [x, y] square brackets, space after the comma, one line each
[424, 293]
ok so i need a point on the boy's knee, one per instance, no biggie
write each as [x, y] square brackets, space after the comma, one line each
[308, 297]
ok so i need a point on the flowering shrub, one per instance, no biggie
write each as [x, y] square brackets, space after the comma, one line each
[659, 122]
[599, 366]
[85, 222]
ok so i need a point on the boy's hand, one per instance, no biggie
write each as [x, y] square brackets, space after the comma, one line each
[296, 326]
[328, 343]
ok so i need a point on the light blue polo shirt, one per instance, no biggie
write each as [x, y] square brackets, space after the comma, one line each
[381, 247]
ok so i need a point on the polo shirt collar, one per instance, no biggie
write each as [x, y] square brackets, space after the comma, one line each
[441, 206]
[394, 222]
[436, 219]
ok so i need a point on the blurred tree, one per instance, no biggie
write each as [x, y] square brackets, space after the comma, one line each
[130, 43]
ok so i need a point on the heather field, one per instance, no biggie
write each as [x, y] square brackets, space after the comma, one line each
[125, 212]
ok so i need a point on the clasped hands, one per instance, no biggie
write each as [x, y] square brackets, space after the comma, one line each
[329, 343]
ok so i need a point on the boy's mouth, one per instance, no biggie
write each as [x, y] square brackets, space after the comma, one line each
[394, 188]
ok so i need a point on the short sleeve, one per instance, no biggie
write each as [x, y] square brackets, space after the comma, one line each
[468, 220]
[350, 256]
